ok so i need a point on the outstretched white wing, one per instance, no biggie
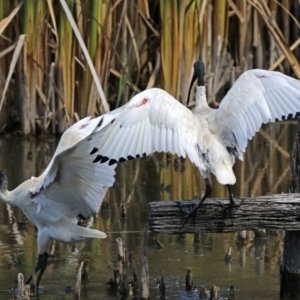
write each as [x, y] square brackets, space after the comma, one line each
[257, 97]
[76, 133]
[74, 183]
[152, 121]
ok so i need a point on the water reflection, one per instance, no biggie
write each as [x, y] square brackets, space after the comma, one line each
[253, 270]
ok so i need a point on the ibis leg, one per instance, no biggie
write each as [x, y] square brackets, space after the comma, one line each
[232, 203]
[193, 212]
[43, 268]
[40, 266]
[36, 269]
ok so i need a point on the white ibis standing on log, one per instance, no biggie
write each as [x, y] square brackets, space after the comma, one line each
[154, 121]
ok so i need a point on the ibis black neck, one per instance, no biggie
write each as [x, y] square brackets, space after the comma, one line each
[199, 71]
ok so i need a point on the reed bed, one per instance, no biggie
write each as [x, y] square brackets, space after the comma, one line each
[64, 60]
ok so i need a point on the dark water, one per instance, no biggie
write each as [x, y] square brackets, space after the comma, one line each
[254, 269]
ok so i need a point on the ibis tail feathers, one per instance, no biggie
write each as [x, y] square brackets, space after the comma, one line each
[85, 233]
[225, 175]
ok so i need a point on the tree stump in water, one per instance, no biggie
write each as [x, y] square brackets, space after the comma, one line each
[290, 266]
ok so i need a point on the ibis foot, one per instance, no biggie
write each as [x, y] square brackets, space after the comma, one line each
[187, 214]
[229, 207]
[192, 213]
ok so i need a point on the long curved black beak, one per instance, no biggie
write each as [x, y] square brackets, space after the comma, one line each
[199, 71]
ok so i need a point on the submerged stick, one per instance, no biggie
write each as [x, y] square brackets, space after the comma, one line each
[20, 285]
[120, 255]
[214, 293]
[159, 244]
[162, 286]
[134, 272]
[120, 249]
[145, 270]
[231, 293]
[203, 295]
[78, 283]
[124, 289]
[86, 268]
[189, 282]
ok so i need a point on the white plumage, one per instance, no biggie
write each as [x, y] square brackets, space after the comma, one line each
[153, 121]
[72, 185]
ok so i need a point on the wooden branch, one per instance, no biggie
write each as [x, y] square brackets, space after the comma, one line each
[273, 212]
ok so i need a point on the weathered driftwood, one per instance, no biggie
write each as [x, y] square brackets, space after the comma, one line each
[273, 212]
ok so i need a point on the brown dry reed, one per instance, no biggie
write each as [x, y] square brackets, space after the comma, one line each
[64, 60]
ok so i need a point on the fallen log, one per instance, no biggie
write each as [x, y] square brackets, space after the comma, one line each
[281, 211]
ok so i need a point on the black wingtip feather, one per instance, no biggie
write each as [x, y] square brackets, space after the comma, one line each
[112, 162]
[101, 121]
[94, 150]
[104, 159]
[98, 158]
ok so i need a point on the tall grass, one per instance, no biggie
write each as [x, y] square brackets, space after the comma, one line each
[31, 28]
[66, 66]
[132, 45]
